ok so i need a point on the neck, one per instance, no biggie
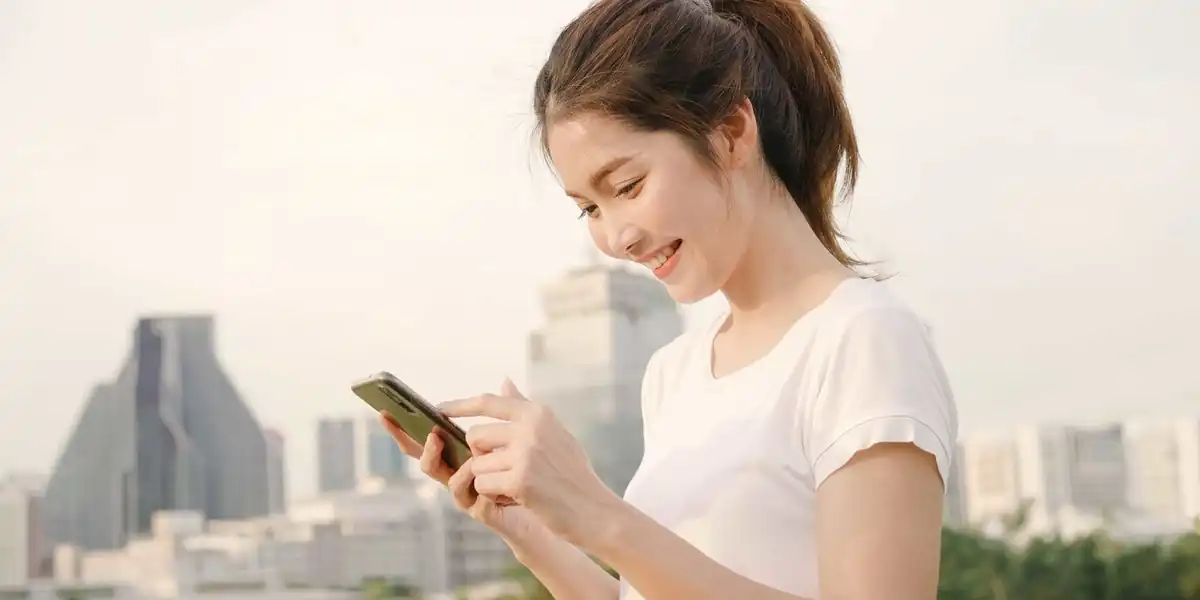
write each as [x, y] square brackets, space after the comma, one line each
[784, 269]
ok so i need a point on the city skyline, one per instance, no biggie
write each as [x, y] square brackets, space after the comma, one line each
[343, 209]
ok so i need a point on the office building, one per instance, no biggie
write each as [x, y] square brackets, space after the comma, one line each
[337, 464]
[1098, 477]
[337, 541]
[170, 432]
[382, 458]
[1055, 472]
[276, 472]
[353, 449]
[22, 546]
[602, 324]
[1164, 468]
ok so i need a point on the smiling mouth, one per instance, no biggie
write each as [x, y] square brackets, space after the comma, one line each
[660, 259]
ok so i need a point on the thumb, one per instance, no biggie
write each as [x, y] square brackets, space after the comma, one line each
[508, 388]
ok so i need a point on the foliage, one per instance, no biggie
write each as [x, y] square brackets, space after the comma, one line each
[1095, 567]
[389, 589]
[531, 588]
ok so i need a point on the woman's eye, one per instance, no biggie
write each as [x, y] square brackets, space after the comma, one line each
[629, 188]
[589, 211]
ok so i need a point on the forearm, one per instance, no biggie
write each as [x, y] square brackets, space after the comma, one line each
[566, 571]
[660, 565]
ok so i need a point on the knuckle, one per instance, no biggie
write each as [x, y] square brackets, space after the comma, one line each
[533, 431]
[520, 480]
[540, 413]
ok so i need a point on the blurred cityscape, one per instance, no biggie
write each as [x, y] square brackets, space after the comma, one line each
[169, 487]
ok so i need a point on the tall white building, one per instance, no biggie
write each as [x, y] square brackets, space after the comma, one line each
[21, 539]
[1164, 468]
[602, 324]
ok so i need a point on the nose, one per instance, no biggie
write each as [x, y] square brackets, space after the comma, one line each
[622, 237]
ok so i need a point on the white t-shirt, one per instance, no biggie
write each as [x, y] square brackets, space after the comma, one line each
[732, 465]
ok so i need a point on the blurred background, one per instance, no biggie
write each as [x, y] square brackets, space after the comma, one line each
[216, 215]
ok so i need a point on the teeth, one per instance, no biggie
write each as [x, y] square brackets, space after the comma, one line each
[658, 260]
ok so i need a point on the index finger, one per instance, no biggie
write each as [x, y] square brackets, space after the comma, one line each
[504, 408]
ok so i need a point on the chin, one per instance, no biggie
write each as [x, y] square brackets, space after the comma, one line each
[689, 292]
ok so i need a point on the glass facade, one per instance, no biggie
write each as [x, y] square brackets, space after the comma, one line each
[170, 432]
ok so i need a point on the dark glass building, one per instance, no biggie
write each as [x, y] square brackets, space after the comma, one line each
[170, 432]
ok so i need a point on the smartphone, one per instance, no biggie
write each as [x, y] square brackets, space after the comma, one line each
[385, 392]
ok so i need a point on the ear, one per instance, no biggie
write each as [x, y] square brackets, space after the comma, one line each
[735, 138]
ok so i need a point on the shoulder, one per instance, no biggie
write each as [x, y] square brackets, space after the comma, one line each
[876, 378]
[864, 327]
[868, 308]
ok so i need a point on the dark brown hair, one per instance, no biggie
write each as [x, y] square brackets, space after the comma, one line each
[685, 65]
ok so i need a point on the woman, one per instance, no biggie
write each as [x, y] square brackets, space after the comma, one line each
[797, 446]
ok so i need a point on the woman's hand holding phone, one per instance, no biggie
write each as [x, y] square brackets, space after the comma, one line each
[508, 521]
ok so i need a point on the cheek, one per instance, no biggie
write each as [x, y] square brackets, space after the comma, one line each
[700, 216]
[715, 232]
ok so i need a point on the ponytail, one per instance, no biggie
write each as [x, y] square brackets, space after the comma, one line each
[796, 89]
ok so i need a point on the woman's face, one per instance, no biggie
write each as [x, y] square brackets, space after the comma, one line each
[648, 198]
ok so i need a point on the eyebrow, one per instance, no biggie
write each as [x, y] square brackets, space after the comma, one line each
[604, 171]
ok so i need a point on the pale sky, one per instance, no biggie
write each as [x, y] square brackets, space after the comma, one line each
[350, 186]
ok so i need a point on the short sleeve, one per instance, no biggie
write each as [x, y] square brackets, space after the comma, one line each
[882, 383]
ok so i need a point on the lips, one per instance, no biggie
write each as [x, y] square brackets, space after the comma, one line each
[660, 258]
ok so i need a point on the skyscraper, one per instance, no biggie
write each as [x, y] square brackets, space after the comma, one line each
[276, 472]
[170, 432]
[383, 457]
[336, 457]
[353, 449]
[21, 543]
[603, 323]
[1164, 467]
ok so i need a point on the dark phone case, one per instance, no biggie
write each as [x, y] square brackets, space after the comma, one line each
[384, 392]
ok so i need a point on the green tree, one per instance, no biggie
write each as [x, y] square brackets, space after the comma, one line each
[1094, 567]
[531, 588]
[380, 588]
